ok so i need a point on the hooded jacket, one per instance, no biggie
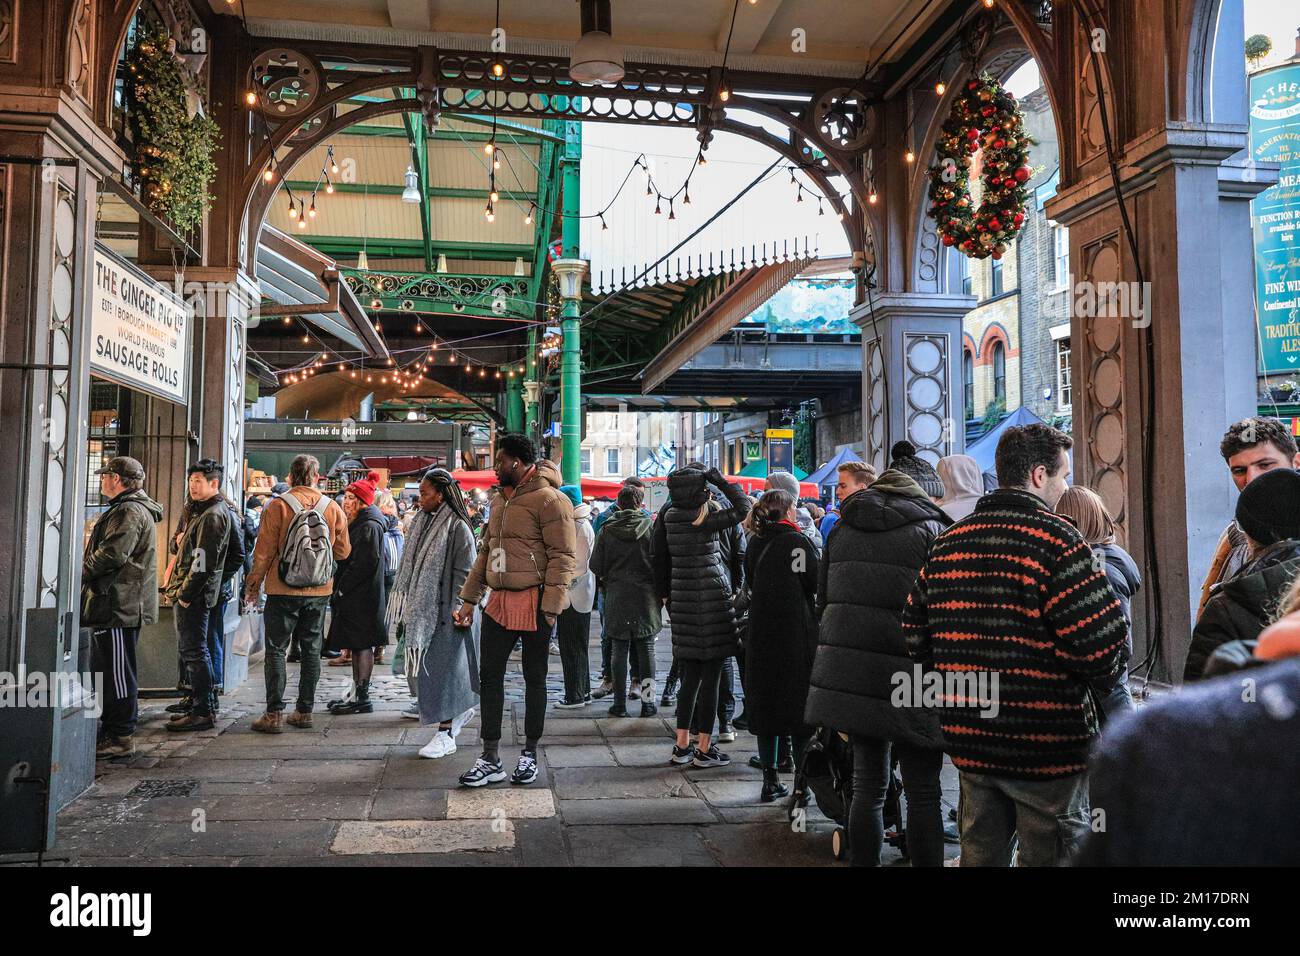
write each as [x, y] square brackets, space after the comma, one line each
[871, 562]
[119, 572]
[582, 592]
[963, 485]
[690, 570]
[359, 599]
[201, 554]
[532, 536]
[624, 569]
[1125, 580]
[1241, 607]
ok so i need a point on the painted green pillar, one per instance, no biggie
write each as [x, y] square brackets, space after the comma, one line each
[570, 269]
[514, 403]
[531, 404]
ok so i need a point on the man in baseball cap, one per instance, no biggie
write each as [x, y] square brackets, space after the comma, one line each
[119, 594]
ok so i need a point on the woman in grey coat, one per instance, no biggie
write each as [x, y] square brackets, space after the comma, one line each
[441, 658]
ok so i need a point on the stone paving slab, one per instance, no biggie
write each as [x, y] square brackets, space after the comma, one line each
[624, 811]
[423, 836]
[244, 838]
[517, 803]
[656, 845]
[422, 804]
[589, 783]
[559, 755]
[333, 772]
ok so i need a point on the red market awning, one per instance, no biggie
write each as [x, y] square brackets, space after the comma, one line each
[485, 479]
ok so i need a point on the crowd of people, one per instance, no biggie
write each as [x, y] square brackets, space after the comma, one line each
[917, 617]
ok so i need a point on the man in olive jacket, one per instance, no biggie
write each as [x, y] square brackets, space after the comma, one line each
[528, 558]
[119, 587]
[195, 587]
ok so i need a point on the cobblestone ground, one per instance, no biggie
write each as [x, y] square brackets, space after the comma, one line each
[353, 791]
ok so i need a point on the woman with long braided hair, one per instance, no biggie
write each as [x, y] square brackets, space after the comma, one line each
[441, 658]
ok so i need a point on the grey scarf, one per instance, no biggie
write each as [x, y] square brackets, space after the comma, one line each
[415, 602]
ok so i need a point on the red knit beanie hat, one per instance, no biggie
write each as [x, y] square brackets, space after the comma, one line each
[365, 488]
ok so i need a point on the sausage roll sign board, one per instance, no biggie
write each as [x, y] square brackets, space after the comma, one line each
[140, 330]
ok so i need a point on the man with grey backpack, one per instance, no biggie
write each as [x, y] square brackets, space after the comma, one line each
[303, 536]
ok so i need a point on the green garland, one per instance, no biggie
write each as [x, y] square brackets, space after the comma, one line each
[986, 116]
[173, 152]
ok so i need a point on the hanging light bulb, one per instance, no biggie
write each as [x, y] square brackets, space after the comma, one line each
[493, 196]
[941, 87]
[702, 161]
[334, 167]
[306, 339]
[724, 94]
[302, 222]
[498, 69]
[251, 97]
[528, 219]
[312, 211]
[686, 199]
[910, 157]
[329, 188]
[411, 194]
[490, 147]
[872, 197]
[269, 175]
[671, 214]
[491, 216]
[820, 210]
[496, 163]
[603, 224]
[293, 210]
[658, 211]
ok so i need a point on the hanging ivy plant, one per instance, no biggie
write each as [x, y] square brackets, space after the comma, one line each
[173, 150]
[984, 116]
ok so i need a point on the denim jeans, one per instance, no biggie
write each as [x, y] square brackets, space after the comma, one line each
[217, 643]
[726, 693]
[1117, 702]
[921, 770]
[192, 640]
[573, 635]
[288, 617]
[1049, 817]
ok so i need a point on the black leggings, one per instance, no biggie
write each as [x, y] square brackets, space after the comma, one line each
[921, 787]
[495, 645]
[697, 701]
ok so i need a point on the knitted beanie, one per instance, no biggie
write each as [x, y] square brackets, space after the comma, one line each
[904, 458]
[574, 492]
[366, 488]
[784, 481]
[1269, 507]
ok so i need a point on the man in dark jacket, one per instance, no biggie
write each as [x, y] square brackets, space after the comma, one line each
[195, 587]
[870, 564]
[119, 583]
[1013, 621]
[1268, 513]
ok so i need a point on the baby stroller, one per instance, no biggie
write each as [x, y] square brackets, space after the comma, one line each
[826, 771]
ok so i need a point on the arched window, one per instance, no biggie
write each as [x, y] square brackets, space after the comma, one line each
[999, 372]
[968, 381]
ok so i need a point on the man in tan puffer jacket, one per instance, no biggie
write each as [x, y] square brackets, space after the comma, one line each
[528, 559]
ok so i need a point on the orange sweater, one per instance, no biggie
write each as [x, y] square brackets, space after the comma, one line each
[270, 538]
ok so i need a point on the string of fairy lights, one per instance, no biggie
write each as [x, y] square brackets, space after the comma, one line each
[302, 209]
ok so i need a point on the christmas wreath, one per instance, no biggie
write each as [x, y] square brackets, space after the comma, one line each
[173, 149]
[984, 116]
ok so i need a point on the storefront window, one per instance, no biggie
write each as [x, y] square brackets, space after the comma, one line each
[110, 413]
[999, 372]
[968, 381]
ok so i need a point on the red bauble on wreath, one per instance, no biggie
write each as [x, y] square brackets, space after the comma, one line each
[984, 116]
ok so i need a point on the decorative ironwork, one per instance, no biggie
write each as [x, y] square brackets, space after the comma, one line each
[845, 118]
[501, 296]
[286, 83]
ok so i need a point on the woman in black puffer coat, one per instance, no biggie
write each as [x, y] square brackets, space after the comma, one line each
[781, 568]
[693, 582]
[871, 561]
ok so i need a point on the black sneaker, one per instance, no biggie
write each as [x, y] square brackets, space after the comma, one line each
[574, 704]
[713, 757]
[482, 773]
[648, 709]
[343, 708]
[618, 710]
[682, 755]
[182, 706]
[526, 769]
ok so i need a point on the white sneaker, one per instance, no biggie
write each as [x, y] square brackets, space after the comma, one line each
[555, 648]
[412, 712]
[442, 745]
[460, 721]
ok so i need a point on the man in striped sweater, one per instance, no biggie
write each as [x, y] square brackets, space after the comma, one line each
[1010, 621]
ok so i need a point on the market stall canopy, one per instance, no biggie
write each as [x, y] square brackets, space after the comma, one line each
[292, 273]
[758, 469]
[828, 474]
[984, 449]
